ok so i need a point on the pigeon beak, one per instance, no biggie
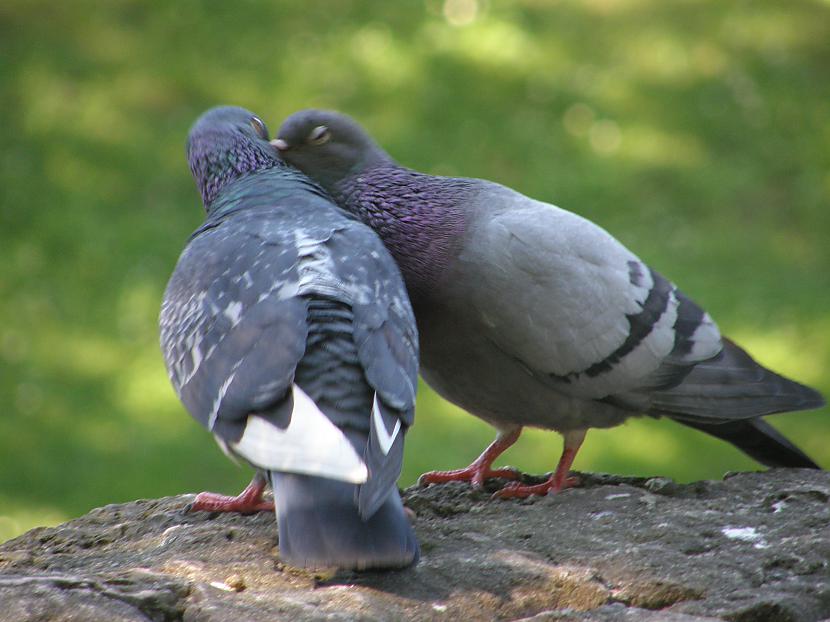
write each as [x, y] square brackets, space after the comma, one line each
[280, 144]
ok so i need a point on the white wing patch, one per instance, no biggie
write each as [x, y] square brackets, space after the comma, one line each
[317, 273]
[385, 440]
[311, 444]
[234, 312]
[706, 339]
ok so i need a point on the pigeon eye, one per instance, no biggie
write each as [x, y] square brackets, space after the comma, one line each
[259, 127]
[319, 135]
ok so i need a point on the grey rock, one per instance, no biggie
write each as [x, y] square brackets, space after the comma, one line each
[753, 547]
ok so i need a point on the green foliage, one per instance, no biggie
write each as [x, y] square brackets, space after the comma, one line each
[697, 132]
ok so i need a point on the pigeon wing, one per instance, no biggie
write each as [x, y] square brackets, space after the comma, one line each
[577, 308]
[233, 328]
[387, 343]
[598, 323]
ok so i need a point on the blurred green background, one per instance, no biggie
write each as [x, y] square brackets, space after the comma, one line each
[697, 132]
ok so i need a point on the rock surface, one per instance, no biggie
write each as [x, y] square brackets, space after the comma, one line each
[754, 547]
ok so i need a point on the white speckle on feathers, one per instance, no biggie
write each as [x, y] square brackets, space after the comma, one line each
[217, 402]
[385, 439]
[234, 312]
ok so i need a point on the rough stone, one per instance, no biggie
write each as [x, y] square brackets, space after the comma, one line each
[751, 548]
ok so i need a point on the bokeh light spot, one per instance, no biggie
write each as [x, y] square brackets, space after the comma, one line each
[460, 12]
[605, 136]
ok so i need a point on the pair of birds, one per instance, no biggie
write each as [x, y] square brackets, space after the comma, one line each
[289, 330]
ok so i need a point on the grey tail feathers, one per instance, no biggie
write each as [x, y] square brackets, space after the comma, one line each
[759, 440]
[320, 525]
[729, 387]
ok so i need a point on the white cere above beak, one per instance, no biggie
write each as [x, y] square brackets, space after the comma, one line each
[280, 144]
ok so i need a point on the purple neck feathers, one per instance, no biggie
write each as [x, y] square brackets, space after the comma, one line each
[214, 170]
[417, 216]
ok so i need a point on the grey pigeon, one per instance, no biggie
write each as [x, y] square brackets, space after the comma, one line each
[287, 332]
[530, 315]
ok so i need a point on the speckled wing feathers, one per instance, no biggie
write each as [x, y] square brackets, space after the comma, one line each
[234, 321]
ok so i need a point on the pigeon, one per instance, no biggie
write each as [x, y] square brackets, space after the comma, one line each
[530, 315]
[287, 332]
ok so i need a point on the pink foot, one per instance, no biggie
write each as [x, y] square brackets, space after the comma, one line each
[556, 482]
[475, 474]
[516, 490]
[480, 469]
[249, 501]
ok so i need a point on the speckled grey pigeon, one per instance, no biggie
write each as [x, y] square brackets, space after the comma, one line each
[530, 315]
[287, 332]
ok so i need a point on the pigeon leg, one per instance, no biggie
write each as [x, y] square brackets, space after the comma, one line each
[248, 501]
[480, 469]
[557, 481]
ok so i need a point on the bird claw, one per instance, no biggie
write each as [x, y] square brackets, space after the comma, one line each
[249, 501]
[211, 502]
[517, 490]
[242, 504]
[473, 474]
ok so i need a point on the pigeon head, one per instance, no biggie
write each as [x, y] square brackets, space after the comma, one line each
[328, 146]
[224, 144]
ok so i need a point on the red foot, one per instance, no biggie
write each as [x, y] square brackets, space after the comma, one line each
[516, 490]
[248, 501]
[474, 474]
[480, 469]
[556, 482]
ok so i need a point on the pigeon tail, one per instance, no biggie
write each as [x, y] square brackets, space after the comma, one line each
[320, 525]
[760, 441]
[732, 386]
